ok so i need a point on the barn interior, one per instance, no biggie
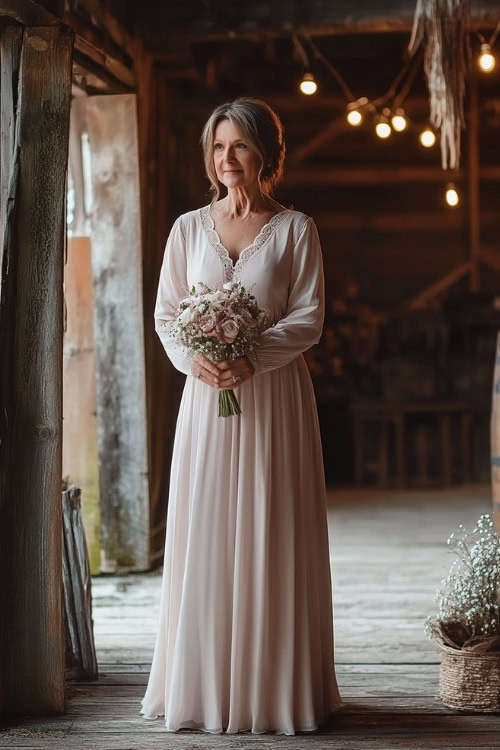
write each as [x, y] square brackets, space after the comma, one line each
[403, 371]
[402, 374]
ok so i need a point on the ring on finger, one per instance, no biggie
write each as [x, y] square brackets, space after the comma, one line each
[236, 378]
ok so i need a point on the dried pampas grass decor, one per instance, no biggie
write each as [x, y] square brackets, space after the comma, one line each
[443, 26]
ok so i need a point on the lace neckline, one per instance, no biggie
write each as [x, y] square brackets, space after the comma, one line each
[230, 267]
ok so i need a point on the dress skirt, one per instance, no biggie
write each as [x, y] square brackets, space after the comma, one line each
[245, 633]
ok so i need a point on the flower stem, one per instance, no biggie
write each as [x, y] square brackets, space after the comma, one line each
[228, 404]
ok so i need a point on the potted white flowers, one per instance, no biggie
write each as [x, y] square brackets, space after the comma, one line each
[467, 627]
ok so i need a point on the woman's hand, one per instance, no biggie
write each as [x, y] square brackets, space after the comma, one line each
[205, 370]
[220, 374]
[240, 367]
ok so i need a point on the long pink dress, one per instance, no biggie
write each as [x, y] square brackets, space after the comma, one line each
[245, 635]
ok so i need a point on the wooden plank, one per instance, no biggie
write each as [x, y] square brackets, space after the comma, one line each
[118, 316]
[275, 20]
[336, 127]
[188, 740]
[326, 175]
[10, 54]
[362, 718]
[473, 209]
[340, 740]
[87, 52]
[92, 59]
[77, 588]
[80, 454]
[31, 329]
[490, 256]
[108, 24]
[401, 222]
[423, 298]
[352, 686]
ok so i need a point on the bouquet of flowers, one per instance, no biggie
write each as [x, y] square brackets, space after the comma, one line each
[220, 324]
[469, 597]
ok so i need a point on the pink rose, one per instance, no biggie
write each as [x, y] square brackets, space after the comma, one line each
[229, 331]
[208, 323]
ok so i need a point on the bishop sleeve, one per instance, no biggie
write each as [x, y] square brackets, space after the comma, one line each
[172, 288]
[302, 325]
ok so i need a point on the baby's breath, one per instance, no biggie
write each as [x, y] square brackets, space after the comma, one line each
[469, 597]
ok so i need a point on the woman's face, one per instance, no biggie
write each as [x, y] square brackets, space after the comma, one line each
[236, 164]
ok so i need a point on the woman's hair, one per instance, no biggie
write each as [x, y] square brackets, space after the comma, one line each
[263, 131]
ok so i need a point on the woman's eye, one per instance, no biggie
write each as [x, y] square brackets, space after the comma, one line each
[241, 145]
[218, 146]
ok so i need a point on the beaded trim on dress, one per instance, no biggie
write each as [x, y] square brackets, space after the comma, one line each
[232, 269]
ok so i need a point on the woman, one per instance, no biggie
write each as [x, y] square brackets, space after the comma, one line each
[245, 638]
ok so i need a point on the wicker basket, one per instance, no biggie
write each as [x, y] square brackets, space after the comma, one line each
[470, 681]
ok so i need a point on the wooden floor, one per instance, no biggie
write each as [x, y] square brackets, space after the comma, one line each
[388, 555]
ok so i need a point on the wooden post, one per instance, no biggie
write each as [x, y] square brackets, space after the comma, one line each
[473, 180]
[495, 437]
[31, 331]
[119, 327]
[10, 51]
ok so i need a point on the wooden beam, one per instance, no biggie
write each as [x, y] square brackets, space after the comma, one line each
[337, 126]
[423, 298]
[491, 257]
[262, 19]
[399, 222]
[119, 78]
[319, 175]
[473, 180]
[31, 333]
[87, 52]
[27, 13]
[108, 24]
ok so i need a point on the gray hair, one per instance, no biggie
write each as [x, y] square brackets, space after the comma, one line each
[263, 131]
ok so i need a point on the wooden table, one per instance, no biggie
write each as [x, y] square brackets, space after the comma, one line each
[393, 415]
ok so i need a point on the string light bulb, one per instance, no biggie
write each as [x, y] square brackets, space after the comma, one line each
[355, 112]
[382, 127]
[399, 121]
[427, 137]
[354, 117]
[486, 60]
[308, 85]
[452, 197]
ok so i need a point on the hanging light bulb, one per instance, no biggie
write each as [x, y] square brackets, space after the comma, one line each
[452, 198]
[399, 121]
[354, 117]
[382, 128]
[427, 137]
[486, 59]
[308, 85]
[354, 111]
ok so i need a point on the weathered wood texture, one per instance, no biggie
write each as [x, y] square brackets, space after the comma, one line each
[388, 550]
[160, 203]
[31, 326]
[119, 341]
[80, 648]
[495, 436]
[98, 52]
[10, 55]
[213, 20]
[80, 454]
[474, 214]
